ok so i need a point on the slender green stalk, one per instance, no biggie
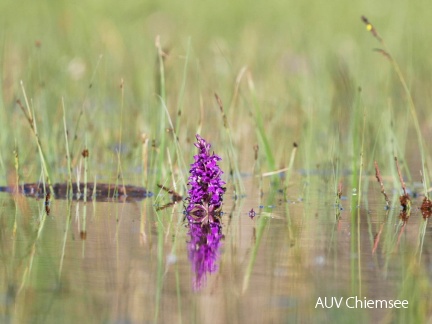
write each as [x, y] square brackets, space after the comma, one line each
[94, 189]
[120, 139]
[68, 157]
[237, 87]
[356, 202]
[85, 155]
[240, 189]
[180, 159]
[78, 177]
[119, 165]
[161, 127]
[84, 102]
[16, 189]
[2, 165]
[290, 168]
[359, 253]
[182, 88]
[144, 157]
[119, 176]
[261, 132]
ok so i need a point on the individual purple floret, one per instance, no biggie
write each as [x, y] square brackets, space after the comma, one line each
[206, 186]
[203, 251]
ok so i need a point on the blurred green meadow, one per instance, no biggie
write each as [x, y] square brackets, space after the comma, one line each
[294, 67]
[134, 81]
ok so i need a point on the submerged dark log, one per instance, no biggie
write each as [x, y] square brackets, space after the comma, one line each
[102, 191]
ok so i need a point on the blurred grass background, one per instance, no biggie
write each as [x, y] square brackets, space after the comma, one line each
[307, 60]
[298, 67]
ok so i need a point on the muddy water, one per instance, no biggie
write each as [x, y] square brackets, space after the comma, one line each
[110, 262]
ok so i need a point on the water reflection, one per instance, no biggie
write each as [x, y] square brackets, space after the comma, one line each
[203, 251]
[135, 261]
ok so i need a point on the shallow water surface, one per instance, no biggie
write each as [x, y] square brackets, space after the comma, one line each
[118, 262]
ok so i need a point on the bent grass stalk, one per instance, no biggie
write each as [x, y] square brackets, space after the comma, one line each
[385, 51]
[237, 86]
[30, 116]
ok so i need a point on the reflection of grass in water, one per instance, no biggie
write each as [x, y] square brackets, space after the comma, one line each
[416, 288]
[160, 261]
[263, 220]
[33, 248]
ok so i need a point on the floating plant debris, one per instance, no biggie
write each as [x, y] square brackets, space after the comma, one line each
[252, 213]
[175, 197]
[206, 186]
[48, 203]
[102, 191]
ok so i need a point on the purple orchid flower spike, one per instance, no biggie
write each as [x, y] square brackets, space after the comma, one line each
[203, 251]
[206, 186]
